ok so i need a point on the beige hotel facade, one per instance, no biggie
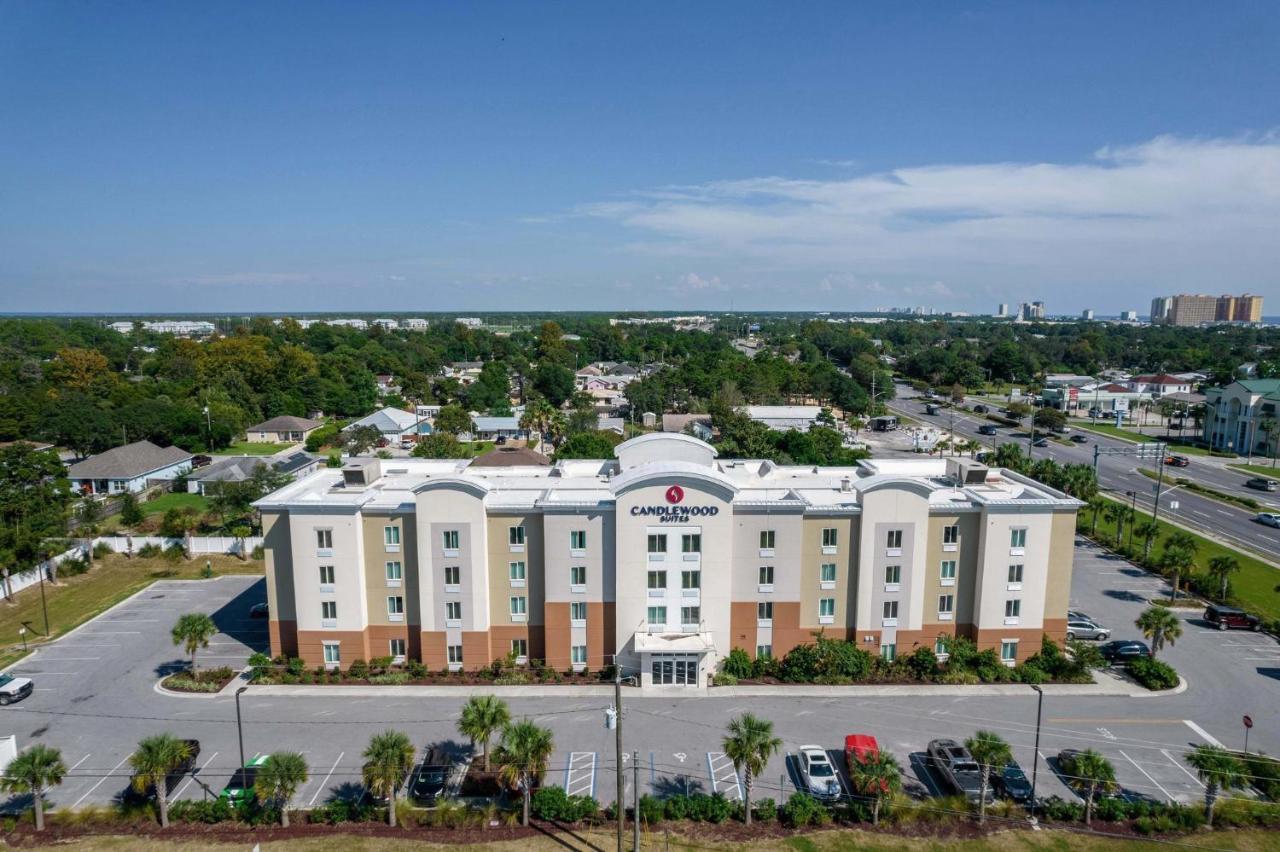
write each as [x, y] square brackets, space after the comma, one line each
[664, 559]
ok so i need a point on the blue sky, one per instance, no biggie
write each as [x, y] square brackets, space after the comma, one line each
[318, 156]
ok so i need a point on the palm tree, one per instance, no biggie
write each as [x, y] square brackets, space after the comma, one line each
[991, 752]
[482, 717]
[1179, 555]
[1117, 513]
[1159, 625]
[153, 761]
[1098, 504]
[1221, 568]
[1146, 530]
[523, 756]
[1090, 774]
[279, 778]
[877, 775]
[387, 761]
[1219, 770]
[35, 771]
[749, 744]
[193, 632]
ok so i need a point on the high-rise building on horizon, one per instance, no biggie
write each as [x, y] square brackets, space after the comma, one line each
[1200, 309]
[1160, 306]
[1031, 311]
[1004, 310]
[1087, 314]
[1128, 316]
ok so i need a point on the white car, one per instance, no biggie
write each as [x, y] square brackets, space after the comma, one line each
[14, 688]
[819, 774]
[1270, 519]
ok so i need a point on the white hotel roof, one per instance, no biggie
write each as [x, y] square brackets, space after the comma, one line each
[580, 483]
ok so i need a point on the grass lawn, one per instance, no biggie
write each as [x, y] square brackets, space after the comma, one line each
[1254, 584]
[75, 600]
[1130, 435]
[170, 500]
[1258, 469]
[249, 448]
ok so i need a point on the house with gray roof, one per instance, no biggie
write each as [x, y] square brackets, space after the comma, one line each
[242, 468]
[128, 468]
[394, 424]
[285, 429]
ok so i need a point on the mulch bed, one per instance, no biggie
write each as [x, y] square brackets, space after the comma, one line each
[218, 677]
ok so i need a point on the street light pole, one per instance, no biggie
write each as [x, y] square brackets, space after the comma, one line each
[1133, 513]
[1035, 758]
[635, 799]
[43, 603]
[617, 707]
[239, 726]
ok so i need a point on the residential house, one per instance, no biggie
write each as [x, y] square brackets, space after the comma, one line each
[492, 428]
[783, 418]
[128, 468]
[395, 425]
[285, 429]
[1159, 384]
[697, 425]
[1241, 417]
[242, 468]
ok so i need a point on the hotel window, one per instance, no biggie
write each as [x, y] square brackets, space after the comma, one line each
[764, 651]
[657, 543]
[395, 648]
[890, 611]
[395, 608]
[830, 537]
[519, 607]
[326, 575]
[690, 580]
[828, 572]
[577, 539]
[395, 573]
[893, 541]
[579, 655]
[328, 612]
[455, 655]
[691, 543]
[946, 607]
[391, 536]
[1012, 609]
[578, 611]
[690, 615]
[515, 535]
[950, 534]
[1015, 573]
[450, 539]
[766, 575]
[452, 575]
[578, 575]
[948, 572]
[324, 539]
[1018, 537]
[892, 575]
[520, 647]
[657, 615]
[517, 572]
[889, 652]
[453, 610]
[764, 611]
[657, 579]
[766, 539]
[1009, 651]
[942, 646]
[332, 656]
[826, 608]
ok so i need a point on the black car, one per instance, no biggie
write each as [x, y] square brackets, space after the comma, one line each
[986, 430]
[1012, 783]
[259, 610]
[1263, 484]
[431, 778]
[980, 409]
[1079, 439]
[1040, 442]
[1120, 651]
[132, 794]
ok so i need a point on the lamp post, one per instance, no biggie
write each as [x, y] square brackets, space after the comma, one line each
[22, 631]
[44, 606]
[239, 726]
[1035, 758]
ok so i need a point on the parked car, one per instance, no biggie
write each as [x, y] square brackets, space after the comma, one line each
[957, 767]
[260, 610]
[1083, 628]
[931, 409]
[1177, 461]
[1263, 484]
[431, 778]
[1268, 519]
[240, 787]
[1067, 760]
[1227, 617]
[1012, 783]
[1120, 651]
[1040, 442]
[987, 430]
[201, 461]
[818, 773]
[1062, 430]
[858, 747]
[171, 780]
[980, 409]
[14, 688]
[1079, 616]
[1079, 439]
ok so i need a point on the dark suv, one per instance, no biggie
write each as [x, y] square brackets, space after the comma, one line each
[1227, 617]
[1117, 652]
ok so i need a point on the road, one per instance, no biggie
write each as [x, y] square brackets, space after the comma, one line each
[1119, 474]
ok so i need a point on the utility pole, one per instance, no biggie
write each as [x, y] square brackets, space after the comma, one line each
[617, 723]
[1155, 510]
[635, 800]
[1035, 758]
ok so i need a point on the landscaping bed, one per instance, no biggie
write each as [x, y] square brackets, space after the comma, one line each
[382, 672]
[203, 681]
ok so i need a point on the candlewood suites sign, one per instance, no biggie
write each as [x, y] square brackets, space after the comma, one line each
[674, 512]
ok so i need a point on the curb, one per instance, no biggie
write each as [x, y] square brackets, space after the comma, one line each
[1161, 693]
[225, 692]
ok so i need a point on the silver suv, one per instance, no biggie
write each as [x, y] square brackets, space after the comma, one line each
[1079, 628]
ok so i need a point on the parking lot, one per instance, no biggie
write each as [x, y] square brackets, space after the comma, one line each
[95, 699]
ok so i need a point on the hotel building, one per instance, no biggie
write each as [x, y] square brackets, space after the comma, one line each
[663, 559]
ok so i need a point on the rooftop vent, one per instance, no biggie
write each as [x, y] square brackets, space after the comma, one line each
[967, 472]
[360, 473]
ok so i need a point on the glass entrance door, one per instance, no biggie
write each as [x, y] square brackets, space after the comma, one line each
[674, 669]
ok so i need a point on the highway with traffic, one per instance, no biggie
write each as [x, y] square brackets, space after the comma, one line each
[1118, 475]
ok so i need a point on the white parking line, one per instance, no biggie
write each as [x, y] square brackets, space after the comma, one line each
[1205, 735]
[717, 764]
[1167, 794]
[580, 773]
[77, 764]
[183, 788]
[100, 780]
[327, 776]
[1178, 764]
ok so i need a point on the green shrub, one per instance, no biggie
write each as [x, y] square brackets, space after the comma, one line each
[652, 809]
[389, 679]
[677, 807]
[1058, 809]
[258, 553]
[766, 666]
[802, 809]
[342, 810]
[766, 810]
[724, 679]
[1029, 673]
[737, 664]
[72, 567]
[549, 803]
[800, 665]
[175, 553]
[358, 669]
[1264, 772]
[102, 550]
[417, 671]
[259, 660]
[1153, 674]
[842, 659]
[209, 812]
[703, 808]
[149, 551]
[922, 663]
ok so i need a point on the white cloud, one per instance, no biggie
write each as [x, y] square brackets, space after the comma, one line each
[1127, 223]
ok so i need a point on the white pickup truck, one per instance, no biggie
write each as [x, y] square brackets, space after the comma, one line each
[14, 688]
